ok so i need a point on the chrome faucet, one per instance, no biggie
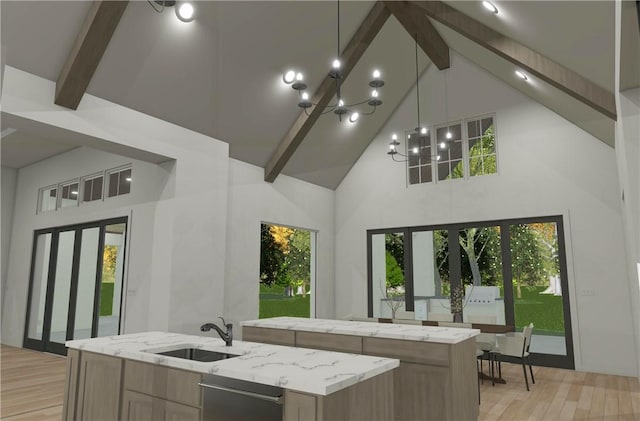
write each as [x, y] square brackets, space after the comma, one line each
[226, 336]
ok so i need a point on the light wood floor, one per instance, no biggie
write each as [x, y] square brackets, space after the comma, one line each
[32, 388]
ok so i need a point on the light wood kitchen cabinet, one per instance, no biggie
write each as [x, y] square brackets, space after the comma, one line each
[140, 407]
[269, 336]
[356, 403]
[99, 387]
[329, 342]
[70, 386]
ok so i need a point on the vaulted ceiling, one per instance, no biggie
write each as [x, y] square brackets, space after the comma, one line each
[221, 75]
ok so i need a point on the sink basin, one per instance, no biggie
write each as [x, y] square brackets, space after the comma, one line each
[196, 354]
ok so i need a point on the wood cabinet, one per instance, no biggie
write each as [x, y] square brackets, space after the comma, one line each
[99, 387]
[269, 336]
[140, 407]
[102, 387]
[365, 401]
[435, 381]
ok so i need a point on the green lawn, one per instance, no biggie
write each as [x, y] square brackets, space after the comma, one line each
[545, 311]
[273, 303]
[106, 298]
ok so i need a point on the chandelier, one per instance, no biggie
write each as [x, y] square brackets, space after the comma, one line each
[418, 140]
[341, 107]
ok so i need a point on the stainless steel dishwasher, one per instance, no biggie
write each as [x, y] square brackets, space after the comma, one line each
[230, 400]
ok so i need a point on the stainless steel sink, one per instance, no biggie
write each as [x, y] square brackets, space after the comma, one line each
[196, 354]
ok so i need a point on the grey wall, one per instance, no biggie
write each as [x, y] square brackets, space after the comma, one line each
[9, 180]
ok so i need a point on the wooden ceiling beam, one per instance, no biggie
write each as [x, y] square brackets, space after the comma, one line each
[422, 31]
[522, 56]
[87, 51]
[350, 56]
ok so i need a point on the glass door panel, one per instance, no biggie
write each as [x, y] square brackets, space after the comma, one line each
[431, 280]
[481, 275]
[40, 274]
[537, 291]
[111, 280]
[387, 274]
[87, 270]
[62, 287]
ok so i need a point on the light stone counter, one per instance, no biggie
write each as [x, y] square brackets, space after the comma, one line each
[443, 335]
[298, 369]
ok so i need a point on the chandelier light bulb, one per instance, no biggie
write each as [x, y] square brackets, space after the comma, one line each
[305, 96]
[289, 77]
[423, 130]
[415, 150]
[392, 146]
[374, 93]
[299, 76]
[394, 137]
[336, 64]
[354, 117]
[449, 135]
[443, 145]
[437, 157]
[490, 7]
[376, 74]
[521, 75]
[185, 12]
[340, 103]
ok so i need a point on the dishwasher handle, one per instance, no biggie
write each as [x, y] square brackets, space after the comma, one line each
[274, 399]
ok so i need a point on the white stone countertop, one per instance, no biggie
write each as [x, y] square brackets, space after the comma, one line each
[447, 335]
[304, 370]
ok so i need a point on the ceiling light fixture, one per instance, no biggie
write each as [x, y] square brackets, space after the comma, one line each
[490, 7]
[340, 108]
[420, 132]
[521, 75]
[185, 11]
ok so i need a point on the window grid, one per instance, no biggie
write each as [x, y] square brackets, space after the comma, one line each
[119, 182]
[92, 187]
[69, 193]
[472, 151]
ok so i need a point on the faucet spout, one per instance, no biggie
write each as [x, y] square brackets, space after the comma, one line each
[227, 336]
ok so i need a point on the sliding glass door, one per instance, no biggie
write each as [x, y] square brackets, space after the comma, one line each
[510, 272]
[75, 290]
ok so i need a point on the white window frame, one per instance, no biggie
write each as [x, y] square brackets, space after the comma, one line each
[92, 177]
[107, 184]
[39, 201]
[465, 149]
[65, 184]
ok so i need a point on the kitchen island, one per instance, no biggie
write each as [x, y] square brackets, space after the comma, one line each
[140, 376]
[437, 377]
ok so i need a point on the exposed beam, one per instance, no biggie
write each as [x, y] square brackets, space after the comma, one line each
[537, 64]
[422, 31]
[349, 58]
[90, 45]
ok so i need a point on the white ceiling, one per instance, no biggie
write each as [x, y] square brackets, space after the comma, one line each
[22, 148]
[221, 75]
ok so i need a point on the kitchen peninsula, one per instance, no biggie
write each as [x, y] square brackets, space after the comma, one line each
[437, 378]
[144, 377]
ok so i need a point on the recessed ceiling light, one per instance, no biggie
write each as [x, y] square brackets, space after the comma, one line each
[185, 11]
[490, 7]
[289, 77]
[521, 75]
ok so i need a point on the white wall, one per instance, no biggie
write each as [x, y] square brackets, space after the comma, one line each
[176, 245]
[9, 178]
[288, 202]
[547, 166]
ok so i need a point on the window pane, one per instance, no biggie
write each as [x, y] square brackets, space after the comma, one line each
[66, 242]
[65, 192]
[387, 258]
[86, 283]
[69, 195]
[487, 123]
[125, 182]
[86, 194]
[414, 159]
[414, 175]
[443, 171]
[111, 280]
[412, 141]
[455, 150]
[425, 155]
[425, 174]
[475, 166]
[431, 275]
[113, 184]
[473, 128]
[96, 193]
[39, 286]
[48, 199]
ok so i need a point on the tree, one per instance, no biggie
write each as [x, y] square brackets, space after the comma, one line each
[271, 256]
[527, 257]
[395, 277]
[394, 244]
[298, 260]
